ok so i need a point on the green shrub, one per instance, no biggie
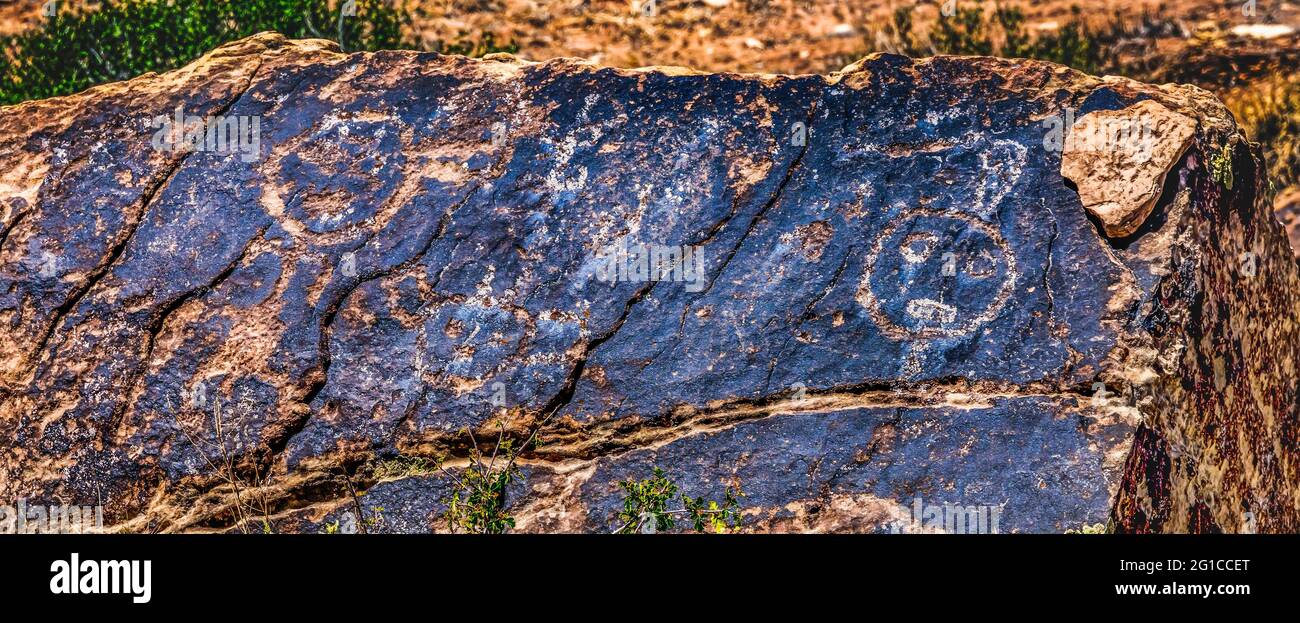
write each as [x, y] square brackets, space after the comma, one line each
[478, 503]
[1072, 45]
[974, 32]
[967, 33]
[646, 507]
[121, 39]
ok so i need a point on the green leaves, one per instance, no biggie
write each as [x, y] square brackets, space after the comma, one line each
[646, 501]
[478, 505]
[122, 39]
[963, 33]
[646, 508]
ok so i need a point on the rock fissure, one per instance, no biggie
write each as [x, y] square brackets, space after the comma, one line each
[115, 251]
[758, 217]
[132, 225]
[875, 329]
[159, 322]
[4, 233]
[576, 450]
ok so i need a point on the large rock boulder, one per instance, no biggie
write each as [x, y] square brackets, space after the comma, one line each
[1287, 209]
[879, 296]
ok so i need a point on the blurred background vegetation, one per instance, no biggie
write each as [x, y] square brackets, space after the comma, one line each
[113, 40]
[1263, 96]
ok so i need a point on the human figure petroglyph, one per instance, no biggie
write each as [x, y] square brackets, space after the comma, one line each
[934, 274]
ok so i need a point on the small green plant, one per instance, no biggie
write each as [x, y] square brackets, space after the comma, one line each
[376, 520]
[967, 32]
[646, 507]
[478, 505]
[1097, 528]
[478, 502]
[1221, 166]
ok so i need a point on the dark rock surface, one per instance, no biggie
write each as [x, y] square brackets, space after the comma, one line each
[1287, 209]
[900, 298]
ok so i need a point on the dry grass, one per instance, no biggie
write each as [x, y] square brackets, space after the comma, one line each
[1270, 113]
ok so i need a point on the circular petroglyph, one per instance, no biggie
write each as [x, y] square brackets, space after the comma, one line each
[933, 274]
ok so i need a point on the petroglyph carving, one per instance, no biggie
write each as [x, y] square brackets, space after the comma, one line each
[909, 292]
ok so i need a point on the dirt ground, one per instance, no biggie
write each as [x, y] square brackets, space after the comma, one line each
[777, 36]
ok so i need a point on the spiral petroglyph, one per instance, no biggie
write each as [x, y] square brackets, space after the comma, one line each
[904, 307]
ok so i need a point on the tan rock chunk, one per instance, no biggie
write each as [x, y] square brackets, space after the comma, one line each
[1118, 159]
